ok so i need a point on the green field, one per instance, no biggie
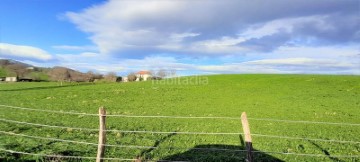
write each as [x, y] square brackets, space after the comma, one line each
[320, 98]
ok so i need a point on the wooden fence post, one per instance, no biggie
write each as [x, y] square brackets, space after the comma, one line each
[102, 135]
[246, 128]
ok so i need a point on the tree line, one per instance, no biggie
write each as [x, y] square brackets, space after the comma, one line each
[10, 68]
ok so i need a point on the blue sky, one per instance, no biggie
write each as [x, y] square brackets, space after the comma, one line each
[192, 37]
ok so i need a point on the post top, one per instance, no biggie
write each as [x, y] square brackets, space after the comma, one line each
[102, 110]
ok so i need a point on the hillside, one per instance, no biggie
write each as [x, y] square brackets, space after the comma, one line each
[12, 68]
[292, 118]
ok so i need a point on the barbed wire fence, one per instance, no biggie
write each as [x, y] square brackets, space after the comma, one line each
[160, 132]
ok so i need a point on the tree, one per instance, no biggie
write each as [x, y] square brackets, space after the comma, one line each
[19, 69]
[119, 79]
[110, 77]
[78, 76]
[131, 77]
[90, 76]
[59, 74]
[162, 73]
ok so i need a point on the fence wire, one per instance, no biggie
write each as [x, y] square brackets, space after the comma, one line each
[159, 132]
[182, 117]
[189, 133]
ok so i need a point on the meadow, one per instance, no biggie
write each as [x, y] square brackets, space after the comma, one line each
[334, 100]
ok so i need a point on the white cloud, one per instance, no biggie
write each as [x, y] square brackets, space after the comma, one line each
[178, 37]
[294, 59]
[75, 48]
[97, 62]
[120, 25]
[112, 28]
[238, 68]
[288, 59]
[324, 63]
[253, 37]
[223, 45]
[280, 25]
[23, 52]
[217, 27]
[82, 57]
[285, 66]
[88, 61]
[332, 52]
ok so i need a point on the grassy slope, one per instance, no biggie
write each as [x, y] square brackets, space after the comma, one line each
[292, 97]
[3, 72]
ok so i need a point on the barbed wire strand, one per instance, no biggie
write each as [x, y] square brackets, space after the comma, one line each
[71, 141]
[302, 121]
[184, 117]
[302, 138]
[49, 111]
[49, 126]
[62, 156]
[121, 146]
[193, 133]
[122, 131]
[312, 155]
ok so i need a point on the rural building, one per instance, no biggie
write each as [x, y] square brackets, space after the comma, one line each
[125, 79]
[2, 78]
[11, 79]
[143, 75]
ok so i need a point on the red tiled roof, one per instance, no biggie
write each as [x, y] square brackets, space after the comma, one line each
[143, 72]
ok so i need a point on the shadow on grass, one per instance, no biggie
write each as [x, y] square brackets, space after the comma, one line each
[54, 157]
[47, 87]
[156, 144]
[325, 152]
[210, 153]
[218, 152]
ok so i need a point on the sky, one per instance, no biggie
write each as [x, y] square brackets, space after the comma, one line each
[192, 37]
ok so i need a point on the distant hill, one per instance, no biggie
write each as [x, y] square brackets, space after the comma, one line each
[12, 68]
[4, 62]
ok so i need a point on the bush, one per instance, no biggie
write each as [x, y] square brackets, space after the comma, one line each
[131, 77]
[39, 76]
[110, 77]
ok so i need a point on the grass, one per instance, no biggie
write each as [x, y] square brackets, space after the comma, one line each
[288, 97]
[3, 72]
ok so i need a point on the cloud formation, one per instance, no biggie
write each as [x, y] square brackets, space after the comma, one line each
[75, 48]
[214, 27]
[24, 52]
[284, 60]
[207, 37]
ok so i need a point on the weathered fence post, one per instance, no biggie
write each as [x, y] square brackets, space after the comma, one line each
[102, 135]
[246, 128]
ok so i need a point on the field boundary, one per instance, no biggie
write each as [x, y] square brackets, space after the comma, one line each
[183, 117]
[187, 133]
[157, 132]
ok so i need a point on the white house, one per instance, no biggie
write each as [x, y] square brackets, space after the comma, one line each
[145, 75]
[11, 79]
[125, 79]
